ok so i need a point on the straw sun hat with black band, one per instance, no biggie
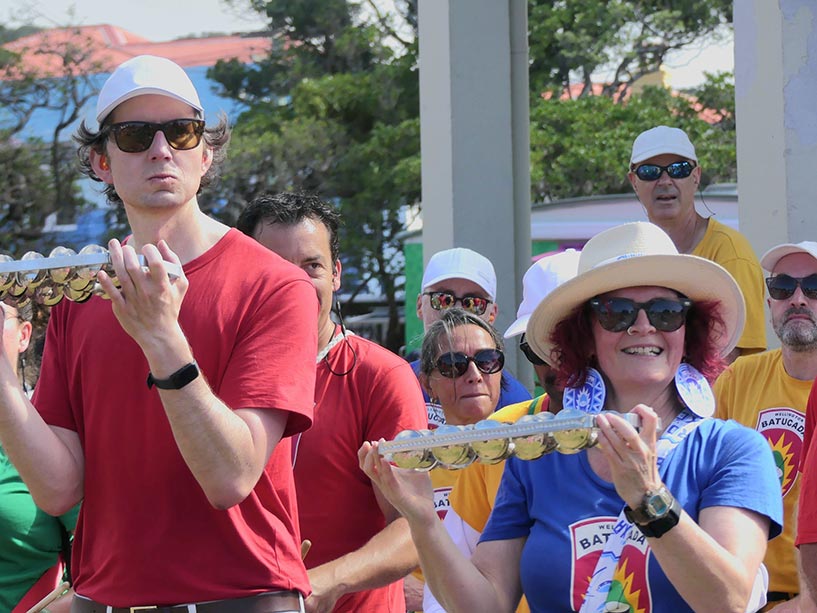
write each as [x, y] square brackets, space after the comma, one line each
[634, 255]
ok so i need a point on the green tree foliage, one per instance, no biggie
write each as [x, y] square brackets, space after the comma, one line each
[41, 176]
[333, 109]
[573, 41]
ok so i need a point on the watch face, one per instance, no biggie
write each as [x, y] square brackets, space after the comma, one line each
[658, 504]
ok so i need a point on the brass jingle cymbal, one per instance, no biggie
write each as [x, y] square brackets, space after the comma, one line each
[491, 451]
[455, 455]
[32, 278]
[77, 295]
[89, 272]
[534, 446]
[79, 285]
[48, 294]
[420, 460]
[576, 439]
[64, 274]
[16, 290]
[7, 279]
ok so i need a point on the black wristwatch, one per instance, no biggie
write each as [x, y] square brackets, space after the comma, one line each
[177, 380]
[658, 513]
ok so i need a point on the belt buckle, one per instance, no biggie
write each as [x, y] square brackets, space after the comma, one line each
[150, 608]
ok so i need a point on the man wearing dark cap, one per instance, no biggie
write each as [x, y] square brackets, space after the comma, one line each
[665, 175]
[169, 409]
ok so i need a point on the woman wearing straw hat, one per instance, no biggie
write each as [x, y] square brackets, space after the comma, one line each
[671, 517]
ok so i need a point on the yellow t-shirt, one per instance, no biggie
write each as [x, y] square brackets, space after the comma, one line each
[757, 392]
[472, 497]
[732, 250]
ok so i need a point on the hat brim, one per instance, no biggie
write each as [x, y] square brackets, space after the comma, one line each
[141, 91]
[517, 327]
[697, 278]
[770, 259]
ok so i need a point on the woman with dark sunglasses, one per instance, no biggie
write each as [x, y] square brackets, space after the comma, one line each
[461, 365]
[671, 517]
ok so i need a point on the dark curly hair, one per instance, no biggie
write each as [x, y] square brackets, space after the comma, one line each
[572, 339]
[216, 137]
[288, 209]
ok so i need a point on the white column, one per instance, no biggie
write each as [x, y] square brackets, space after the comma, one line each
[474, 131]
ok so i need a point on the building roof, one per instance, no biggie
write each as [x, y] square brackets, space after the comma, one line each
[109, 46]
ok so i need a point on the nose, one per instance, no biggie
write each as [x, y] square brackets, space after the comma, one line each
[473, 374]
[642, 323]
[798, 297]
[160, 148]
[664, 178]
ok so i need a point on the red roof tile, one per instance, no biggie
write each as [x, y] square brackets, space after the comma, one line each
[111, 45]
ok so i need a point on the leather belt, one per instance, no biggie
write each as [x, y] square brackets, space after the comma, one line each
[272, 602]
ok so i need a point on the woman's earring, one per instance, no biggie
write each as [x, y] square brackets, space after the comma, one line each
[694, 390]
[589, 398]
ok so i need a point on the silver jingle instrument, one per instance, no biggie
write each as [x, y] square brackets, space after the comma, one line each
[63, 274]
[489, 442]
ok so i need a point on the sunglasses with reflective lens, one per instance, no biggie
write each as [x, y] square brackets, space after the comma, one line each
[618, 314]
[782, 287]
[530, 354]
[455, 364]
[676, 170]
[137, 136]
[440, 301]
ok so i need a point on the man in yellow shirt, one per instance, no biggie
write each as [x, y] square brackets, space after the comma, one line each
[768, 392]
[665, 175]
[472, 496]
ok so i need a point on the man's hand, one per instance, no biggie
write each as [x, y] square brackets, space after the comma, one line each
[324, 591]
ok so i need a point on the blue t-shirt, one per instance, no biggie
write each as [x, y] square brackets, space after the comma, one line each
[511, 391]
[566, 512]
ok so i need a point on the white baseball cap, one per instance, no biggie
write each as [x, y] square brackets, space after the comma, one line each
[661, 140]
[146, 74]
[545, 275]
[775, 254]
[461, 263]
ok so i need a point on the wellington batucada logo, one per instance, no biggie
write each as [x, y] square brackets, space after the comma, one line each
[783, 427]
[629, 591]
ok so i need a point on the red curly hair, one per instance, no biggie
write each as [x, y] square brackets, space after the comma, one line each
[572, 339]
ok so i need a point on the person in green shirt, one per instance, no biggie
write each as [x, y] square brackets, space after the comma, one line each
[30, 540]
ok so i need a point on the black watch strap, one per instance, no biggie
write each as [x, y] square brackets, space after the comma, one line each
[659, 527]
[177, 380]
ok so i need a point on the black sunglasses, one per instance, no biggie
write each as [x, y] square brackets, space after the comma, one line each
[441, 301]
[676, 170]
[618, 314]
[530, 354]
[455, 364]
[137, 136]
[782, 287]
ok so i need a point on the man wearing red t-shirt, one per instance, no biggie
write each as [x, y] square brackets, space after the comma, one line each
[186, 481]
[361, 547]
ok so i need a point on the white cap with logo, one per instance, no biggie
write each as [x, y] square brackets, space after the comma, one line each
[543, 277]
[461, 263]
[775, 254]
[146, 74]
[662, 140]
